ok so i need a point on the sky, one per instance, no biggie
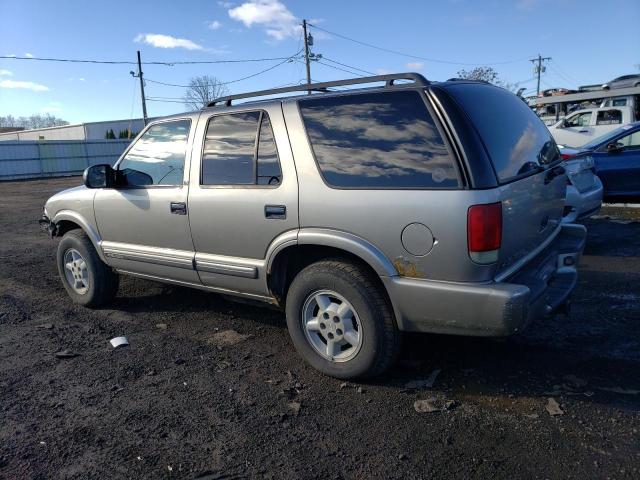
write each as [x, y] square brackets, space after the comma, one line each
[587, 42]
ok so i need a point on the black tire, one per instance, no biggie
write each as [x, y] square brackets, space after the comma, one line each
[103, 281]
[380, 342]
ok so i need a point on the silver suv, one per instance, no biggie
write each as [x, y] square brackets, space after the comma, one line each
[409, 206]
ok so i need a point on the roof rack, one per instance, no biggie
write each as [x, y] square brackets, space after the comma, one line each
[390, 80]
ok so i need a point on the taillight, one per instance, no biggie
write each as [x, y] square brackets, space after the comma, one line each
[484, 232]
[566, 156]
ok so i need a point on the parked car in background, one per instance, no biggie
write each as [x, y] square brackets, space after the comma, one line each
[363, 213]
[584, 189]
[616, 160]
[584, 125]
[625, 81]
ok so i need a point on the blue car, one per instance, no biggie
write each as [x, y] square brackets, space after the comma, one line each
[616, 159]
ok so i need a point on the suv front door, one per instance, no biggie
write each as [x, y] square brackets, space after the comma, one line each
[144, 222]
[243, 195]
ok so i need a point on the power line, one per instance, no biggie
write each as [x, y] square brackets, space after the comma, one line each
[123, 62]
[286, 59]
[348, 66]
[418, 57]
[339, 68]
[554, 67]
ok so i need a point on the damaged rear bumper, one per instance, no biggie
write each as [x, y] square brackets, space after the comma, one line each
[541, 287]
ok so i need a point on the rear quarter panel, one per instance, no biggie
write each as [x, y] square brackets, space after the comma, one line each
[380, 216]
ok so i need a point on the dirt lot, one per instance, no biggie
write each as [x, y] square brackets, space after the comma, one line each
[189, 400]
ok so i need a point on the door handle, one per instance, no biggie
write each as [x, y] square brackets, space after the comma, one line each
[583, 131]
[178, 208]
[277, 212]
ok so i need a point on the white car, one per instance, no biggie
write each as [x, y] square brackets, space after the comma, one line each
[582, 126]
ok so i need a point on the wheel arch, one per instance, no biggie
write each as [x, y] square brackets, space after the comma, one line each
[67, 220]
[313, 245]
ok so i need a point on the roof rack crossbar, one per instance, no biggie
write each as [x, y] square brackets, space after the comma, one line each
[390, 80]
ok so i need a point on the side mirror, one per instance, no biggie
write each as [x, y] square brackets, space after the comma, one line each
[614, 147]
[99, 176]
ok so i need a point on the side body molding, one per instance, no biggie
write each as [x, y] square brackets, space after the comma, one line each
[350, 243]
[89, 229]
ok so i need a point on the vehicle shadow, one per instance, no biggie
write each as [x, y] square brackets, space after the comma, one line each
[592, 355]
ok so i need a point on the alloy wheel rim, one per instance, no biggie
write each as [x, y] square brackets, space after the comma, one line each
[332, 326]
[76, 271]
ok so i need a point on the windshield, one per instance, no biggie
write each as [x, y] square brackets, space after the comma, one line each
[593, 144]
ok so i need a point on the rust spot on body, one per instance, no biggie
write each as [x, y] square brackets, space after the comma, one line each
[407, 269]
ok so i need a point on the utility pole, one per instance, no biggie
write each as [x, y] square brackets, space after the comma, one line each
[539, 68]
[307, 60]
[144, 102]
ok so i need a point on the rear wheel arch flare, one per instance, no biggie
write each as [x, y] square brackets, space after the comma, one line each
[291, 260]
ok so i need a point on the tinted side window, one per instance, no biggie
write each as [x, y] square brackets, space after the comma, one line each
[233, 157]
[378, 140]
[157, 157]
[229, 149]
[515, 138]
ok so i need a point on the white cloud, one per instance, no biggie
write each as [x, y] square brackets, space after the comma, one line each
[383, 71]
[166, 41]
[36, 87]
[226, 4]
[415, 65]
[215, 25]
[81, 79]
[28, 55]
[273, 15]
[5, 73]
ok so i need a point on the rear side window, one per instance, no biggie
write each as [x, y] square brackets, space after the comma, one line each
[239, 149]
[609, 117]
[378, 140]
[516, 140]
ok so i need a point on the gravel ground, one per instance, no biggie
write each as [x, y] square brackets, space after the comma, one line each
[213, 389]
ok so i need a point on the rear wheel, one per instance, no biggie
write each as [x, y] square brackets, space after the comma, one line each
[86, 278]
[340, 321]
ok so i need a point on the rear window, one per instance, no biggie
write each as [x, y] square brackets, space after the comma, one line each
[517, 141]
[378, 140]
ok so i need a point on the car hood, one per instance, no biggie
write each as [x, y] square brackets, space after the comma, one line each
[75, 198]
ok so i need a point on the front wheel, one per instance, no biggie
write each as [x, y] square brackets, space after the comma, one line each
[340, 321]
[86, 278]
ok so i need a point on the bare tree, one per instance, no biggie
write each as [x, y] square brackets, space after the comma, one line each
[32, 121]
[202, 90]
[487, 74]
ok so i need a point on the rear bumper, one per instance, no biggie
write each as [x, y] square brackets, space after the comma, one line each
[580, 205]
[540, 287]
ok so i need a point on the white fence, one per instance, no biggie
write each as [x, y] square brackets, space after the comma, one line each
[57, 158]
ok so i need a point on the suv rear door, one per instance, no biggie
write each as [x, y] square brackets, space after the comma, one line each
[525, 159]
[243, 195]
